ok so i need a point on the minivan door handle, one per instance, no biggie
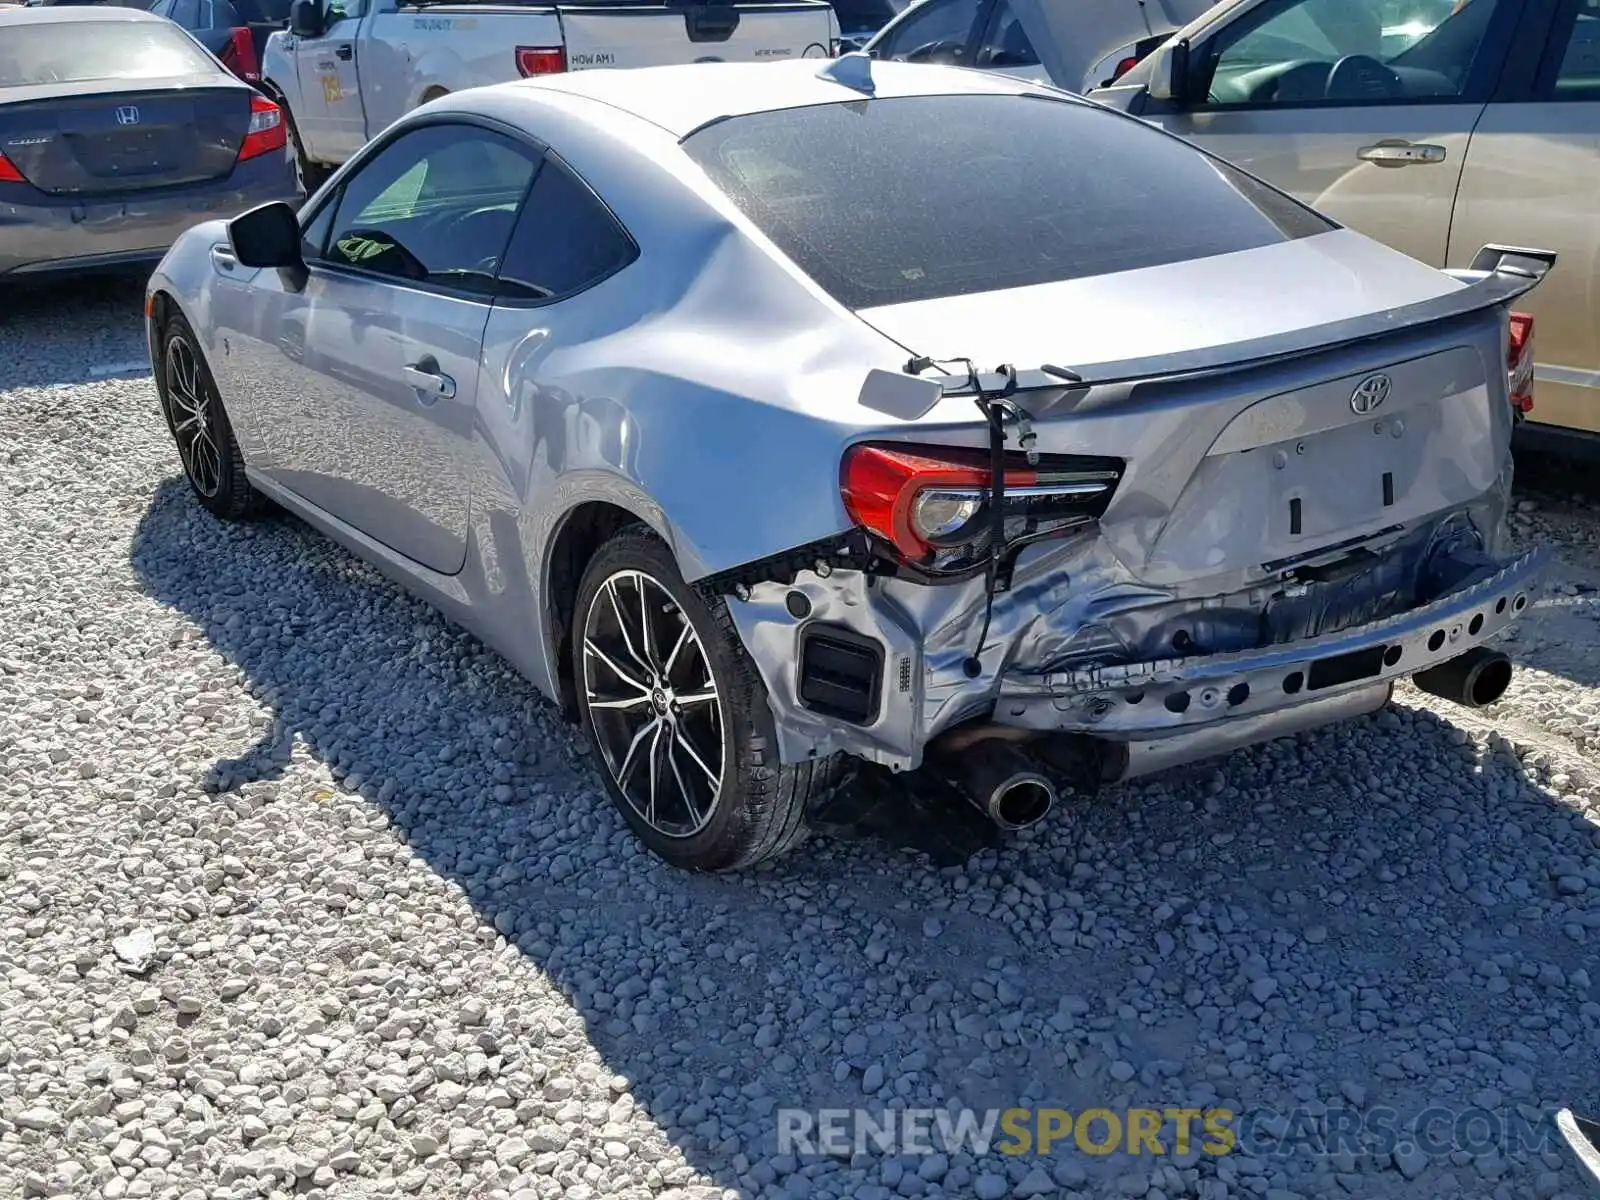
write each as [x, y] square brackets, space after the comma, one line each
[427, 379]
[1401, 154]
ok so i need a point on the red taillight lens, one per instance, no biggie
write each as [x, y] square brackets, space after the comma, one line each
[266, 132]
[931, 503]
[1519, 362]
[1124, 67]
[9, 172]
[541, 60]
[239, 55]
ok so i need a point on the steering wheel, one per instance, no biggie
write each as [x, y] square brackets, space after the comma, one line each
[487, 226]
[1361, 77]
[944, 50]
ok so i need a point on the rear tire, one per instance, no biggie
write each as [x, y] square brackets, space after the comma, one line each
[678, 716]
[192, 406]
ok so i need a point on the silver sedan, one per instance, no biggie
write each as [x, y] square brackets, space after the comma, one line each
[774, 418]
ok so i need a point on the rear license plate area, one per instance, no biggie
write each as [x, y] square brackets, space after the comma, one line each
[1345, 668]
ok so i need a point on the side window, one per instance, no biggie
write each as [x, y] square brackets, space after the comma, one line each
[434, 206]
[934, 31]
[186, 13]
[1348, 52]
[1004, 42]
[1579, 75]
[162, 8]
[224, 15]
[566, 240]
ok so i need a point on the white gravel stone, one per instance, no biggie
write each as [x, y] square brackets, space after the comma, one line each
[302, 891]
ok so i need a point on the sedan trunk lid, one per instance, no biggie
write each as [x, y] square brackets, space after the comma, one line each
[93, 138]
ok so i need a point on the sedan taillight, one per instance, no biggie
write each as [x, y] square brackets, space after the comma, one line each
[266, 133]
[9, 172]
[932, 503]
[1519, 362]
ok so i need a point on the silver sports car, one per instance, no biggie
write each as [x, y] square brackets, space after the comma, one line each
[773, 417]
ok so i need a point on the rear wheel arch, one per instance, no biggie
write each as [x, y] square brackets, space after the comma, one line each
[433, 93]
[578, 538]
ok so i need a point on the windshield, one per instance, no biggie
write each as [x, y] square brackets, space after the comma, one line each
[919, 197]
[80, 51]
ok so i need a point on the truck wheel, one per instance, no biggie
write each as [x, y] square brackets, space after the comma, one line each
[678, 715]
[310, 175]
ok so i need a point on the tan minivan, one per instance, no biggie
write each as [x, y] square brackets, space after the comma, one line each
[1434, 125]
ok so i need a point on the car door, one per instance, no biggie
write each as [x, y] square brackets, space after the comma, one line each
[941, 31]
[378, 365]
[333, 120]
[1531, 179]
[1361, 108]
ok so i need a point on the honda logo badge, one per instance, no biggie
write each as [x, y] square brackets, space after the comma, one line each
[128, 114]
[1370, 395]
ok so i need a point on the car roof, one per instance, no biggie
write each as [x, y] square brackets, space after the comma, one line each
[87, 14]
[681, 99]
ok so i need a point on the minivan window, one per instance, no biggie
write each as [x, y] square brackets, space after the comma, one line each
[919, 197]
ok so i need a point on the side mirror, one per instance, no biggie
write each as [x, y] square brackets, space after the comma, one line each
[267, 236]
[1169, 72]
[305, 18]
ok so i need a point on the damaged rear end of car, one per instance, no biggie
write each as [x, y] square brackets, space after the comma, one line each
[1157, 495]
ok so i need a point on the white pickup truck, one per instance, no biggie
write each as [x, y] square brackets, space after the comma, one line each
[345, 69]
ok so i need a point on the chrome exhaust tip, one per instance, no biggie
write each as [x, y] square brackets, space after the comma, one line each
[1004, 783]
[1474, 679]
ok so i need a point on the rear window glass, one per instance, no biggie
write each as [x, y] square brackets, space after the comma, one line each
[80, 51]
[918, 197]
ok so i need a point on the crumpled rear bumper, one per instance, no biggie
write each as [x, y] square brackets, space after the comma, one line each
[1222, 700]
[1155, 699]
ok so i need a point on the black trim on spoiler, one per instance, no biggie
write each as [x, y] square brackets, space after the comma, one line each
[1498, 275]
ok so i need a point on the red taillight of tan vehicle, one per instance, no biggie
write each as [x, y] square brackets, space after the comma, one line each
[932, 503]
[266, 132]
[541, 60]
[1519, 362]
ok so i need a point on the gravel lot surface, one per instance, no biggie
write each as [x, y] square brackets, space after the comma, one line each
[303, 892]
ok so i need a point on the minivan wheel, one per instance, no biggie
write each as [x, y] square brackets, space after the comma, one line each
[678, 715]
[212, 460]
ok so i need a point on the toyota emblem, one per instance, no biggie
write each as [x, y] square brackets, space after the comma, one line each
[1369, 395]
[128, 114]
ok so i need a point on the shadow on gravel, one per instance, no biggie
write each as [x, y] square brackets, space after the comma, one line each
[1365, 897]
[59, 332]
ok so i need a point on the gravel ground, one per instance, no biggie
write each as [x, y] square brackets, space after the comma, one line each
[302, 891]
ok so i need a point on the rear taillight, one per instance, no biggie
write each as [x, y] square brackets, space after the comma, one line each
[1123, 67]
[931, 503]
[266, 133]
[541, 60]
[239, 55]
[1519, 362]
[9, 172]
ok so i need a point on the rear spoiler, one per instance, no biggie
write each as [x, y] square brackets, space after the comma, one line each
[1497, 276]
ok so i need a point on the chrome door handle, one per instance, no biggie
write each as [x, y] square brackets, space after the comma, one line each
[426, 378]
[222, 257]
[1401, 154]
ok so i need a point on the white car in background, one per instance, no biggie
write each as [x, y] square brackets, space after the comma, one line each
[345, 70]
